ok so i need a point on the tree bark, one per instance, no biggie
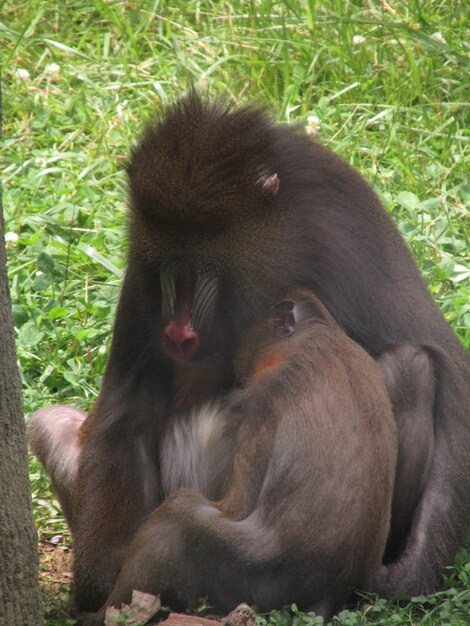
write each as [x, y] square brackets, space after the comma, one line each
[20, 598]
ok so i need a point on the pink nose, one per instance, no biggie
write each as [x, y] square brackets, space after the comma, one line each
[181, 341]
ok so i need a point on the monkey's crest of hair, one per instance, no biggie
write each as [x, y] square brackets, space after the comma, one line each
[202, 162]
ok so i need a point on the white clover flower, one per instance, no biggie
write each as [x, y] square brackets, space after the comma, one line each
[11, 237]
[313, 125]
[358, 39]
[52, 68]
[120, 109]
[21, 73]
[438, 37]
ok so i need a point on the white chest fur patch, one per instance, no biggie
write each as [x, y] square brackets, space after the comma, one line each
[194, 452]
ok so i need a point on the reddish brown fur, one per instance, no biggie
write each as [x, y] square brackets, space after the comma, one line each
[268, 361]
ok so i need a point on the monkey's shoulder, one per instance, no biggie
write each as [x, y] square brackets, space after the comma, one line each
[315, 349]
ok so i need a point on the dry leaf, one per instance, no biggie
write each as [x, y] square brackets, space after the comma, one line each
[143, 606]
[181, 619]
[241, 616]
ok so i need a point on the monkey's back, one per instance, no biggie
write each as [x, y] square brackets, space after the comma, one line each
[328, 483]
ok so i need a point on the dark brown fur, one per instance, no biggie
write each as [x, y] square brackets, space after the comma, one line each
[205, 201]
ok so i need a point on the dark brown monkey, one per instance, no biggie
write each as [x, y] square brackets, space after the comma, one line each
[302, 496]
[228, 211]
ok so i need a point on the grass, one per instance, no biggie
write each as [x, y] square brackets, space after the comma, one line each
[386, 81]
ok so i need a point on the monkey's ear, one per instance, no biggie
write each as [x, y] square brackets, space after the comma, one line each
[270, 183]
[315, 310]
[282, 318]
[308, 307]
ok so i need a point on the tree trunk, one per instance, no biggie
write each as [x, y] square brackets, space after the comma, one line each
[20, 599]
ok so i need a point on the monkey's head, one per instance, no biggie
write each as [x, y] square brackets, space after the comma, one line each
[206, 224]
[280, 333]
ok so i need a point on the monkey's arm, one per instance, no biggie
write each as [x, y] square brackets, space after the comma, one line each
[117, 487]
[118, 478]
[422, 532]
[408, 372]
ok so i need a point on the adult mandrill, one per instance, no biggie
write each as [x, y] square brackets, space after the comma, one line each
[299, 465]
[227, 212]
